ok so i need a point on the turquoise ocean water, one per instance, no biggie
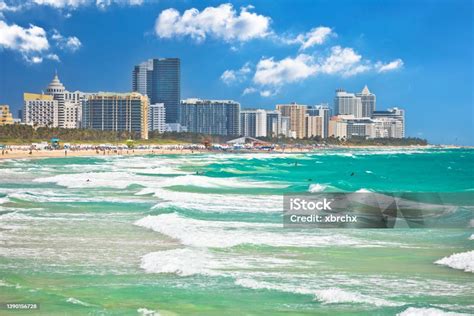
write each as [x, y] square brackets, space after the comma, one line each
[146, 235]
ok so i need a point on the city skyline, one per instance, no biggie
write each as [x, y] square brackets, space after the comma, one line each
[276, 63]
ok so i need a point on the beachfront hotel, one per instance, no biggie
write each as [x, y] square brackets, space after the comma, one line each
[6, 117]
[157, 117]
[213, 117]
[391, 123]
[347, 103]
[297, 116]
[273, 123]
[368, 101]
[69, 103]
[314, 126]
[40, 110]
[253, 123]
[109, 111]
[160, 80]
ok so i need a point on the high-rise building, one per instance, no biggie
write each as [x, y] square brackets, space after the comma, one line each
[338, 126]
[214, 117]
[324, 111]
[69, 103]
[273, 123]
[390, 123]
[360, 127]
[160, 80]
[40, 110]
[117, 112]
[285, 127]
[297, 115]
[347, 104]
[6, 117]
[156, 118]
[314, 126]
[253, 123]
[368, 100]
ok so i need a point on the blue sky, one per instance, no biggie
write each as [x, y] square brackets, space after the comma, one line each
[413, 54]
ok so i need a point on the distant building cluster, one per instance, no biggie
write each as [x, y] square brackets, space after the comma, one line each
[155, 105]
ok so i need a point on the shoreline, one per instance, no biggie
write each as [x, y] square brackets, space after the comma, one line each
[61, 153]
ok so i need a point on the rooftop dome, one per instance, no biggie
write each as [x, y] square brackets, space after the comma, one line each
[55, 86]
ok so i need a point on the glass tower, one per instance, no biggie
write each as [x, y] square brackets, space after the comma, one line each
[160, 80]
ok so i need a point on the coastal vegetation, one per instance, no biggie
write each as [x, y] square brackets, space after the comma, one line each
[26, 134]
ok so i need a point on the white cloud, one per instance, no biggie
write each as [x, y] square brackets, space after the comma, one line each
[32, 42]
[271, 72]
[231, 76]
[267, 93]
[344, 61]
[6, 7]
[249, 90]
[70, 43]
[62, 3]
[74, 4]
[316, 36]
[222, 22]
[25, 40]
[53, 57]
[393, 65]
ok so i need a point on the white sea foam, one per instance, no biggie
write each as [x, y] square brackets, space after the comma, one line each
[224, 234]
[42, 195]
[316, 187]
[325, 296]
[147, 312]
[368, 171]
[122, 180]
[336, 295]
[472, 237]
[414, 311]
[221, 203]
[4, 200]
[75, 301]
[209, 182]
[182, 262]
[191, 261]
[462, 261]
[119, 180]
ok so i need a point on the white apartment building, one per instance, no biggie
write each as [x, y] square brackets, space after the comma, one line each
[253, 123]
[69, 104]
[40, 110]
[314, 126]
[157, 117]
[347, 104]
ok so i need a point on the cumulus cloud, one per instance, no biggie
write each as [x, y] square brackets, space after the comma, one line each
[62, 3]
[393, 65]
[74, 4]
[222, 22]
[344, 61]
[31, 42]
[231, 76]
[272, 72]
[4, 7]
[316, 36]
[70, 43]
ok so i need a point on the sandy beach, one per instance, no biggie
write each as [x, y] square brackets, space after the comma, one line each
[24, 153]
